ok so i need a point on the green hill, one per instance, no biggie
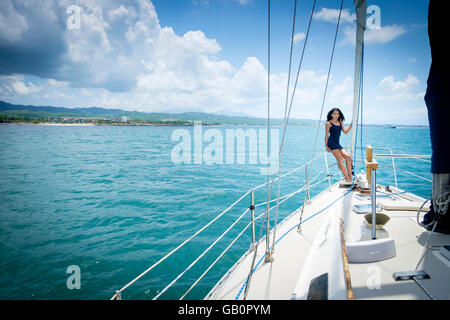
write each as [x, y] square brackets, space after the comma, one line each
[11, 112]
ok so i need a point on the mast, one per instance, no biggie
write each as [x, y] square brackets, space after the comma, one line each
[361, 10]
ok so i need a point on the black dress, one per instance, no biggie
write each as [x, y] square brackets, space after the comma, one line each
[333, 139]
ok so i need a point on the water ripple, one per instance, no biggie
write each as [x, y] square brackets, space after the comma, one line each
[110, 200]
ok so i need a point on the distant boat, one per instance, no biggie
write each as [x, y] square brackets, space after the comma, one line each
[393, 126]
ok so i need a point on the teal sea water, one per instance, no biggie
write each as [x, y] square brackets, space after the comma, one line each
[111, 201]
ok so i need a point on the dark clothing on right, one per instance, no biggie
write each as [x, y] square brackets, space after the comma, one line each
[437, 100]
[437, 97]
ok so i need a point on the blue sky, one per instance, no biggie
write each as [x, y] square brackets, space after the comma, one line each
[210, 55]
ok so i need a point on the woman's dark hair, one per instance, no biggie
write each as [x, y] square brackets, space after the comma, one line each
[341, 115]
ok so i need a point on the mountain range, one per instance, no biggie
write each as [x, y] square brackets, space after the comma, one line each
[218, 117]
[226, 117]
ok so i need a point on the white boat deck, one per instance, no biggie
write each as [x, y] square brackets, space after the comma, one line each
[312, 251]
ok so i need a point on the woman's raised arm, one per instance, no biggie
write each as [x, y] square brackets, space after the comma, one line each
[348, 129]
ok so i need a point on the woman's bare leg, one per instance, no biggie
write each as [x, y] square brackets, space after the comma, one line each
[348, 161]
[340, 161]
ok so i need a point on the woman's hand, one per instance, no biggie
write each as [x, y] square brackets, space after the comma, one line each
[328, 149]
[348, 129]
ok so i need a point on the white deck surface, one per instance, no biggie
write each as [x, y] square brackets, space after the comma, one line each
[278, 279]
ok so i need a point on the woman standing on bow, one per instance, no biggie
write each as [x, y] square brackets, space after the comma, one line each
[333, 129]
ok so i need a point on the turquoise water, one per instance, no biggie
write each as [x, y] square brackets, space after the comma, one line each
[111, 201]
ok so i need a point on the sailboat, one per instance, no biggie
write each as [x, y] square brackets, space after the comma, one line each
[358, 240]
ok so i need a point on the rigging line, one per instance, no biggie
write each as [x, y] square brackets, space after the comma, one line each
[326, 88]
[284, 125]
[253, 268]
[182, 244]
[290, 61]
[280, 154]
[360, 106]
[215, 261]
[284, 131]
[292, 193]
[286, 174]
[425, 247]
[433, 198]
[360, 99]
[408, 172]
[268, 162]
[249, 276]
[201, 255]
[301, 60]
[268, 125]
[289, 230]
[328, 78]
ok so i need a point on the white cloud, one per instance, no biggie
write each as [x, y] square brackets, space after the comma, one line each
[382, 34]
[299, 36]
[183, 63]
[244, 2]
[332, 15]
[342, 94]
[109, 48]
[15, 85]
[419, 111]
[399, 90]
[86, 92]
[118, 13]
[200, 2]
[122, 58]
[21, 88]
[12, 23]
[251, 79]
[57, 84]
[89, 44]
[121, 54]
[243, 89]
[58, 95]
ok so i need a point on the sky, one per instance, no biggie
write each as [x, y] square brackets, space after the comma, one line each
[212, 56]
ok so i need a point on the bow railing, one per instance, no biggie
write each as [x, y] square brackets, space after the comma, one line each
[317, 180]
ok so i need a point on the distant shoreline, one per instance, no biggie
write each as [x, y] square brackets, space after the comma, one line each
[49, 124]
[57, 116]
[179, 124]
[89, 124]
[65, 124]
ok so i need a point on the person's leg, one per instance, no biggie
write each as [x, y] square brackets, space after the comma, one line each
[337, 154]
[348, 161]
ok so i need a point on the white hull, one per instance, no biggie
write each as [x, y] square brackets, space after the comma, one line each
[301, 256]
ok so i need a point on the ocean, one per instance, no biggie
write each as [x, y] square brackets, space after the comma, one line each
[110, 201]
